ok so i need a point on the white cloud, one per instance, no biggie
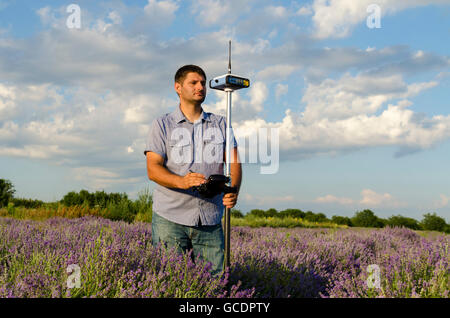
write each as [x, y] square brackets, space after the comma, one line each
[87, 97]
[34, 151]
[161, 12]
[115, 17]
[372, 199]
[83, 129]
[224, 12]
[443, 202]
[333, 199]
[369, 198]
[211, 12]
[7, 104]
[8, 131]
[352, 96]
[278, 12]
[276, 72]
[280, 90]
[258, 94]
[100, 178]
[303, 11]
[242, 108]
[350, 113]
[336, 18]
[139, 109]
[265, 200]
[46, 15]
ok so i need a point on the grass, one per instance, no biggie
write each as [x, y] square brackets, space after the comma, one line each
[140, 212]
[46, 212]
[123, 210]
[287, 222]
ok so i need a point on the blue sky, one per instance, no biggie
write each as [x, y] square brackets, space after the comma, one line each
[362, 113]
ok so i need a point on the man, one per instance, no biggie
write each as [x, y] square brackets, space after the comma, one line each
[183, 149]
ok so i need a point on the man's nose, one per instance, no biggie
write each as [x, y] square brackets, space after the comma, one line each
[200, 86]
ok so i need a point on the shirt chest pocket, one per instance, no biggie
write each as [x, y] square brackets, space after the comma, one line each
[213, 146]
[180, 151]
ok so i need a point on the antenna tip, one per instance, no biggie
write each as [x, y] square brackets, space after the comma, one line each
[229, 58]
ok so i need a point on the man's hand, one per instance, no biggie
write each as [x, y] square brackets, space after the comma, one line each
[229, 200]
[191, 180]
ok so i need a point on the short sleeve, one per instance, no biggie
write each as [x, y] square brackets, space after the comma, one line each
[156, 139]
[232, 139]
[234, 142]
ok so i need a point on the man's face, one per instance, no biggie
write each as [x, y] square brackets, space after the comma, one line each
[193, 88]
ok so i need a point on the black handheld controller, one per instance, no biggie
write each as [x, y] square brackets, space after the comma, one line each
[215, 185]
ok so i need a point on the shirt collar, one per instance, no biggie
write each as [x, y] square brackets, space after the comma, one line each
[178, 115]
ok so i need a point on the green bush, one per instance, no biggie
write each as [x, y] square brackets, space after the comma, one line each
[124, 210]
[432, 222]
[398, 220]
[287, 222]
[294, 213]
[271, 213]
[257, 213]
[315, 217]
[143, 206]
[341, 220]
[6, 192]
[99, 199]
[366, 218]
[129, 211]
[235, 213]
[27, 203]
[11, 209]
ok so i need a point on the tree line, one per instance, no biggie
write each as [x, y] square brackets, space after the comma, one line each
[365, 218]
[119, 206]
[126, 209]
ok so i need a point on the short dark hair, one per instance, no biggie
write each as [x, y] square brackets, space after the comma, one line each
[183, 71]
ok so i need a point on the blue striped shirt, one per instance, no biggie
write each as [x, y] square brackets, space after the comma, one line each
[185, 146]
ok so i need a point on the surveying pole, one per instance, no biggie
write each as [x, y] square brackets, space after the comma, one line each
[228, 83]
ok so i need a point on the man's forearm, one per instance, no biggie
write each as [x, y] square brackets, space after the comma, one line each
[236, 175]
[235, 169]
[164, 177]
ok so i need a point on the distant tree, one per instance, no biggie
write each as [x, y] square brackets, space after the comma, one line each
[271, 213]
[258, 213]
[72, 198]
[6, 192]
[321, 217]
[295, 213]
[432, 222]
[309, 216]
[315, 217]
[398, 220]
[235, 213]
[341, 220]
[382, 222]
[87, 198]
[366, 218]
[27, 203]
[99, 198]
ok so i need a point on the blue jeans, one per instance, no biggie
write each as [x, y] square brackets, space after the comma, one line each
[208, 241]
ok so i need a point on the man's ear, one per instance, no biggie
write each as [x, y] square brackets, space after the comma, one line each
[177, 87]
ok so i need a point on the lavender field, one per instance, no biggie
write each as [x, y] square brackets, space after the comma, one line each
[116, 259]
